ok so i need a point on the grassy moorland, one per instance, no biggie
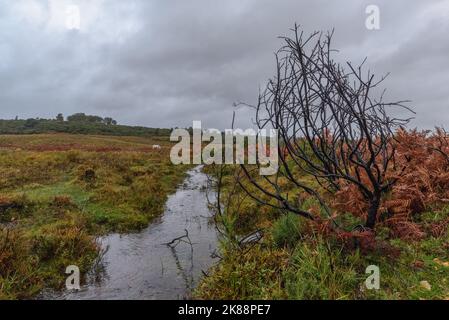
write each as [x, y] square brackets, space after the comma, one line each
[302, 259]
[59, 191]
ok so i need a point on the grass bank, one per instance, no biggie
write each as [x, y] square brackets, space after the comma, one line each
[297, 260]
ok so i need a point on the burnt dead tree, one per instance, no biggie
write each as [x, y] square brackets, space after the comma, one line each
[330, 126]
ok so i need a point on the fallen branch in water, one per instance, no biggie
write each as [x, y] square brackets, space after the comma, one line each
[177, 240]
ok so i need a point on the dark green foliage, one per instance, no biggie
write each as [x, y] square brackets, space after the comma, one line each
[81, 117]
[59, 117]
[77, 124]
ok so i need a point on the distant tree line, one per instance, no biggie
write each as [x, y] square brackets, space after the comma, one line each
[78, 123]
[81, 117]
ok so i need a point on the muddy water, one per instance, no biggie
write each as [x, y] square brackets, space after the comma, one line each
[142, 266]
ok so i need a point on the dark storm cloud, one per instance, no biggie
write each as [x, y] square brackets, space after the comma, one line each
[166, 63]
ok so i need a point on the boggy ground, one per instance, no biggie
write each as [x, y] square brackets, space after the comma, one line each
[59, 191]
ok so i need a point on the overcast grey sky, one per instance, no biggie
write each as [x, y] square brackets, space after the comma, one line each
[164, 63]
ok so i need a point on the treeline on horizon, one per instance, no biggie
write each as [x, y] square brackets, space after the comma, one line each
[78, 123]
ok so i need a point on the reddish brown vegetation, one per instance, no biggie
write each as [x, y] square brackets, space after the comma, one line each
[422, 186]
[42, 148]
[72, 146]
[363, 239]
[8, 203]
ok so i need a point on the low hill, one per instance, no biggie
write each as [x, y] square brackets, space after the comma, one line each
[32, 126]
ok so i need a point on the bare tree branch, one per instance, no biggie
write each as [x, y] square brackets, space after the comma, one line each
[330, 126]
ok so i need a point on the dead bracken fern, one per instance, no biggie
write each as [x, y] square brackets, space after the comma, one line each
[422, 186]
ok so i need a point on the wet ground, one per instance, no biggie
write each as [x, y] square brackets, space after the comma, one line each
[142, 266]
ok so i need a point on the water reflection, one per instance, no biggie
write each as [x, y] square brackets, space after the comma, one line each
[143, 266]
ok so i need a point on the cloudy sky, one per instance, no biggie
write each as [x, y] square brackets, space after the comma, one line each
[164, 63]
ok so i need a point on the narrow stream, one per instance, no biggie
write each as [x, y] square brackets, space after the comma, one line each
[141, 266]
